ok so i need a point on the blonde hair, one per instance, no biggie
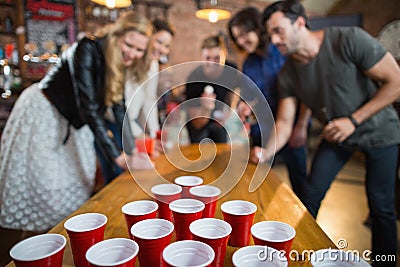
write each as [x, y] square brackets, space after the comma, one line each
[115, 69]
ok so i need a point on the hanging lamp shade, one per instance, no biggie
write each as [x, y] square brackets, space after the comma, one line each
[113, 3]
[213, 14]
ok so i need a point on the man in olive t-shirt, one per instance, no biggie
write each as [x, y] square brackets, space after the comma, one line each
[348, 81]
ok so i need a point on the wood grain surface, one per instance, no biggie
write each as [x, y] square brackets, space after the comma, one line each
[224, 166]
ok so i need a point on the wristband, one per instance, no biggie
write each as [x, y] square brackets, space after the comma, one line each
[355, 123]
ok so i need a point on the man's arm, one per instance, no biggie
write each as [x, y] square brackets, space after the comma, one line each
[299, 135]
[387, 73]
[284, 125]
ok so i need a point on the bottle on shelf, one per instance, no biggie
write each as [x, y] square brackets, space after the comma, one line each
[7, 74]
[2, 77]
[16, 73]
[8, 68]
[8, 24]
[2, 29]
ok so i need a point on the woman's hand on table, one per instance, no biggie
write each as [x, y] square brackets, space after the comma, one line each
[136, 161]
[140, 161]
[120, 161]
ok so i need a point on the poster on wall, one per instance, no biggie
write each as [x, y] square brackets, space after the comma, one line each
[50, 25]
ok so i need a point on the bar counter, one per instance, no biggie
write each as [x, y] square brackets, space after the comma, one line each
[274, 199]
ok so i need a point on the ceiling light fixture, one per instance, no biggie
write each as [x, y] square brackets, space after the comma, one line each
[113, 3]
[212, 13]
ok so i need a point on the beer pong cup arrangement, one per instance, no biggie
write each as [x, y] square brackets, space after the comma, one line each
[239, 214]
[336, 257]
[137, 211]
[84, 230]
[188, 182]
[185, 211]
[152, 235]
[207, 194]
[145, 145]
[39, 251]
[258, 256]
[188, 253]
[163, 195]
[278, 235]
[215, 233]
[119, 252]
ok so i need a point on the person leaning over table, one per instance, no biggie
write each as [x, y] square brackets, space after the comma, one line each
[349, 81]
[141, 97]
[144, 96]
[48, 160]
[217, 72]
[262, 65]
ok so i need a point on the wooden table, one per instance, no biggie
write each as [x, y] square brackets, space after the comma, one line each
[274, 199]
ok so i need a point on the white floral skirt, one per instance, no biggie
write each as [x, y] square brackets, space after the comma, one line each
[42, 180]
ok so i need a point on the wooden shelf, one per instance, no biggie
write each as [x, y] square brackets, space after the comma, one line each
[7, 5]
[8, 33]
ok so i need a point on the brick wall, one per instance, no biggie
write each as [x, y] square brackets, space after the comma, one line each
[191, 31]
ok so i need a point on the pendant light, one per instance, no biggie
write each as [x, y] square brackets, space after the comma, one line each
[212, 13]
[113, 3]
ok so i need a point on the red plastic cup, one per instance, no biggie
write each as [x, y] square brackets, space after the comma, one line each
[84, 230]
[188, 253]
[188, 182]
[162, 135]
[145, 145]
[171, 106]
[113, 252]
[185, 211]
[277, 235]
[163, 195]
[207, 194]
[239, 214]
[39, 251]
[215, 233]
[152, 235]
[137, 211]
[258, 256]
[8, 49]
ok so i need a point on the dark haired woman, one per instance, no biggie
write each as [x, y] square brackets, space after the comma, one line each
[262, 66]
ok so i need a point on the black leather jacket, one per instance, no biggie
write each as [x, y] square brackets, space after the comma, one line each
[84, 103]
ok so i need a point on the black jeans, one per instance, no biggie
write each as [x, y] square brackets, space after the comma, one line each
[381, 172]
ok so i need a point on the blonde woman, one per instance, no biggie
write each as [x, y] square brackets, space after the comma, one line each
[47, 162]
[142, 98]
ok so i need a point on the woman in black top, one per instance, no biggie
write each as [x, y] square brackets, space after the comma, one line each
[47, 163]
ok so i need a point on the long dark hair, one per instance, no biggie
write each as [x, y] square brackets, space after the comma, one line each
[249, 20]
[163, 25]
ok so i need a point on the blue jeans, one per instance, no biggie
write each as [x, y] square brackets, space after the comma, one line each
[381, 168]
[109, 169]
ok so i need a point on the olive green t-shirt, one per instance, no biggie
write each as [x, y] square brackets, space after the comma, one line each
[334, 85]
